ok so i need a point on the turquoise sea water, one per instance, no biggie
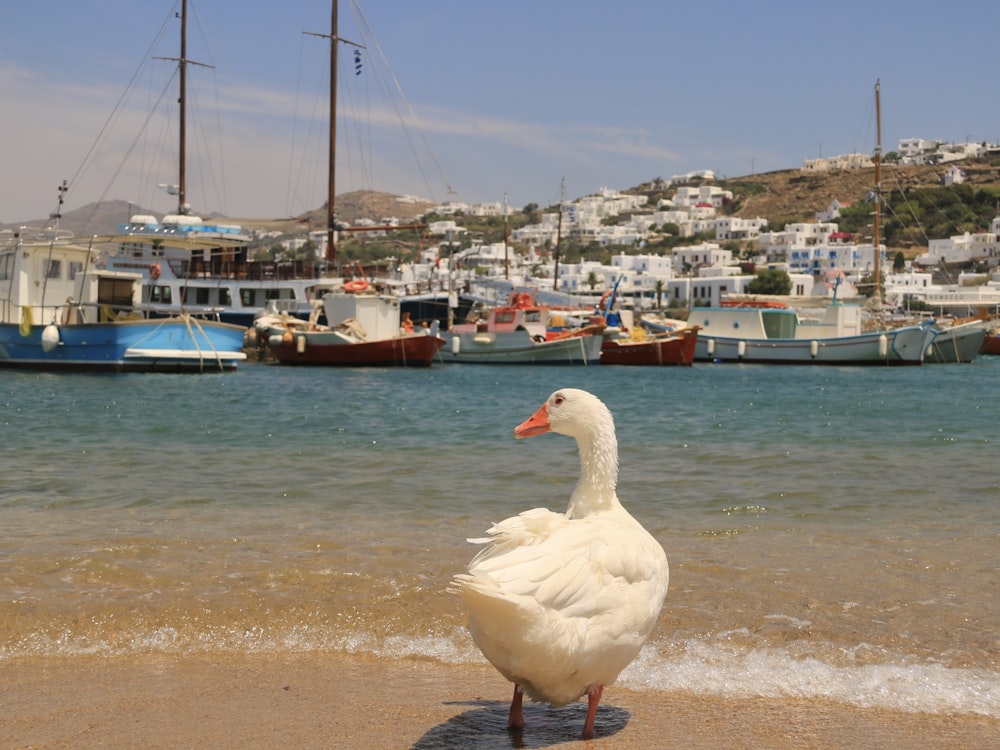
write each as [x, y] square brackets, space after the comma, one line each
[832, 533]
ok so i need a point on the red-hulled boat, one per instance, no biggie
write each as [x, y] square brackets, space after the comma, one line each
[991, 344]
[365, 331]
[675, 348]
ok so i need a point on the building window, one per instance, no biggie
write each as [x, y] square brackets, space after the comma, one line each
[53, 269]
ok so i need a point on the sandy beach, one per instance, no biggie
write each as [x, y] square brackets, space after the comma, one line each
[335, 701]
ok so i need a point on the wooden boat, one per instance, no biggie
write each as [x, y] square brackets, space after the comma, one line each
[58, 311]
[674, 348]
[769, 335]
[521, 332]
[364, 328]
[366, 332]
[958, 342]
[991, 343]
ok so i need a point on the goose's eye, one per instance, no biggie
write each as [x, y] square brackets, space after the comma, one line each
[558, 400]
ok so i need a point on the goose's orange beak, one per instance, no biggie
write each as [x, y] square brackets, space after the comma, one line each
[536, 424]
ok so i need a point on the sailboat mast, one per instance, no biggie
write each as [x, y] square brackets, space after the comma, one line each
[331, 248]
[182, 115]
[182, 64]
[562, 200]
[506, 236]
[876, 240]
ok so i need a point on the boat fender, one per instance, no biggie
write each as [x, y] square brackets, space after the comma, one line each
[276, 340]
[741, 349]
[50, 337]
[883, 346]
[710, 347]
[154, 271]
[300, 344]
[286, 337]
[456, 345]
[813, 348]
[27, 321]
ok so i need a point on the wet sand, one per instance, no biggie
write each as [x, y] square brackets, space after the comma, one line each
[334, 701]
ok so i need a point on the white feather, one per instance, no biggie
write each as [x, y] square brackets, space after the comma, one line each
[560, 602]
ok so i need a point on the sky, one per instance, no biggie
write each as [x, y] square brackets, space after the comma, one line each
[529, 99]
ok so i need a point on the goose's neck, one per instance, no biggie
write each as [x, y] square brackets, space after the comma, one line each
[596, 490]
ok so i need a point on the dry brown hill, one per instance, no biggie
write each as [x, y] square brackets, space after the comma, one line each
[794, 195]
[350, 208]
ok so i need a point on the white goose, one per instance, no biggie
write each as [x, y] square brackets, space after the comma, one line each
[560, 603]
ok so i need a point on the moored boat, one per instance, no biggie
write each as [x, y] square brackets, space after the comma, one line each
[520, 333]
[673, 348]
[192, 266]
[363, 330]
[991, 343]
[59, 312]
[776, 335]
[957, 342]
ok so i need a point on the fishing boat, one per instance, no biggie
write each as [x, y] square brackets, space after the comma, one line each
[523, 332]
[58, 311]
[363, 327]
[956, 341]
[991, 343]
[771, 334]
[664, 349]
[363, 330]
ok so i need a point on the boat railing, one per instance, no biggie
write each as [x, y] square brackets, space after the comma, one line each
[251, 270]
[88, 313]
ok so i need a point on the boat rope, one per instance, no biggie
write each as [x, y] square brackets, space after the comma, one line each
[188, 320]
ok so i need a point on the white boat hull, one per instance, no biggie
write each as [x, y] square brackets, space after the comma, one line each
[903, 346]
[518, 347]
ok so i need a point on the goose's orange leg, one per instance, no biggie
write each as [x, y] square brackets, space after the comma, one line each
[593, 698]
[515, 720]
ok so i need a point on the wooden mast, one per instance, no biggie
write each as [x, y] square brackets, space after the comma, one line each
[562, 200]
[876, 240]
[181, 107]
[506, 236]
[182, 63]
[331, 248]
[333, 36]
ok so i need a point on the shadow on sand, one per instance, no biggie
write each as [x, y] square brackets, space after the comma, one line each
[484, 726]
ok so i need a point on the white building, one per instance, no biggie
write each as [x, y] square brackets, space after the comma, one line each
[843, 161]
[981, 247]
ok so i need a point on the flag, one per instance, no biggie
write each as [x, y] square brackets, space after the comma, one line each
[357, 62]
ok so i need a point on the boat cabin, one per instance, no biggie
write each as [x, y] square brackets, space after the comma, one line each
[377, 314]
[774, 322]
[42, 282]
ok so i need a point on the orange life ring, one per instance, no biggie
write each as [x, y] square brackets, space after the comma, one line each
[358, 285]
[154, 271]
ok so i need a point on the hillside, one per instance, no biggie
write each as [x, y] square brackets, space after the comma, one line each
[792, 195]
[105, 217]
[781, 197]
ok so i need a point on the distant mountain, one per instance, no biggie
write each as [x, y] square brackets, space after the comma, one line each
[94, 218]
[105, 217]
[783, 196]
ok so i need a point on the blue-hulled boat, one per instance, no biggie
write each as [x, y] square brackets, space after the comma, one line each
[58, 311]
